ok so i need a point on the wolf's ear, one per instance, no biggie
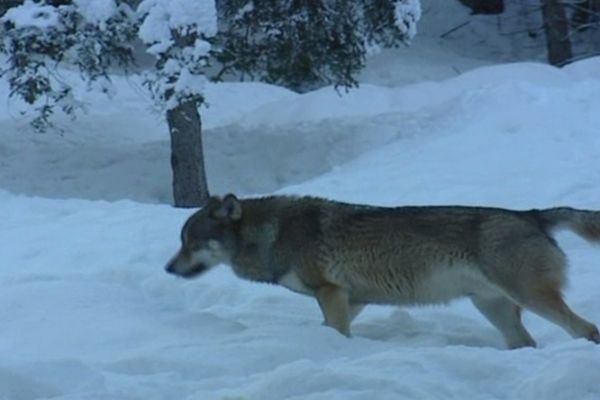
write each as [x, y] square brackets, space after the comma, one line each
[230, 208]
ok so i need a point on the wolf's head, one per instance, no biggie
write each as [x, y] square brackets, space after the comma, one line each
[207, 237]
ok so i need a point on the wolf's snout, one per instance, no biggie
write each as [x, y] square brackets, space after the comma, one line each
[183, 268]
[170, 268]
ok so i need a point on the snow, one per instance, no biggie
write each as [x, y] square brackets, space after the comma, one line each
[96, 12]
[407, 13]
[87, 311]
[188, 83]
[33, 15]
[162, 16]
[181, 78]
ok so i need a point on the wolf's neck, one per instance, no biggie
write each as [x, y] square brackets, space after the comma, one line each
[253, 258]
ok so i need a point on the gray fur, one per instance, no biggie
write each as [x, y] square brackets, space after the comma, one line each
[347, 256]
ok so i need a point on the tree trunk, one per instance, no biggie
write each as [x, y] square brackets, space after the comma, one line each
[585, 14]
[556, 27]
[187, 158]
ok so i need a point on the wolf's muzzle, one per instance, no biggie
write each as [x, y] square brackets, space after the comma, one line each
[170, 268]
[189, 272]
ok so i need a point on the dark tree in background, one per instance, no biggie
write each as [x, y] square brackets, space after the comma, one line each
[571, 28]
[556, 28]
[586, 14]
[305, 44]
[53, 34]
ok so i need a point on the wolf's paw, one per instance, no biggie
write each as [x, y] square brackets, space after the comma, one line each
[528, 342]
[595, 336]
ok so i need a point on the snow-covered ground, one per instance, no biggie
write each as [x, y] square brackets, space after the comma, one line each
[87, 312]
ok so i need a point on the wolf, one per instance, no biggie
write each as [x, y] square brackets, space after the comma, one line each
[350, 255]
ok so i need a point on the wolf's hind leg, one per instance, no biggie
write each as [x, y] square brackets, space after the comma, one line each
[538, 275]
[335, 306]
[506, 317]
[549, 304]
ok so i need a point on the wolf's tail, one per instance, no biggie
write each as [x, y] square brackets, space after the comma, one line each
[585, 223]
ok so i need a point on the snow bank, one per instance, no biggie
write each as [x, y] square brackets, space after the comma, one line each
[122, 142]
[524, 122]
[88, 313]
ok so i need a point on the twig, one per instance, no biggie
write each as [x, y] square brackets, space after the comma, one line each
[443, 35]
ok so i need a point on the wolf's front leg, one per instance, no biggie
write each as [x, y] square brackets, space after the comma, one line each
[335, 306]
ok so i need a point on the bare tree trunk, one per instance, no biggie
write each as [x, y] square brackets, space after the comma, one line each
[187, 158]
[556, 27]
